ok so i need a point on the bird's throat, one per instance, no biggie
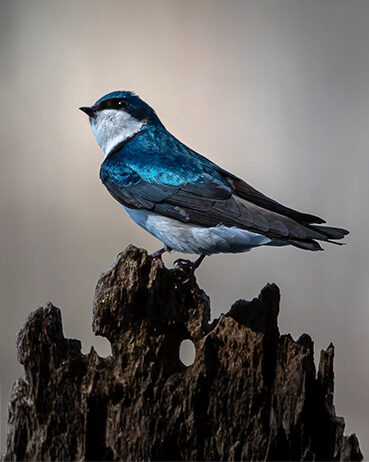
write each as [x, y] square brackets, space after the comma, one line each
[113, 127]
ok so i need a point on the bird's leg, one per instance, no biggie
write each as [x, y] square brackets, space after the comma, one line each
[188, 266]
[158, 255]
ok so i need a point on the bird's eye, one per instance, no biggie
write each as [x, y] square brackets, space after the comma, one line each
[122, 103]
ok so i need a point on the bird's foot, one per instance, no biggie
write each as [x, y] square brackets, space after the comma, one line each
[187, 268]
[158, 256]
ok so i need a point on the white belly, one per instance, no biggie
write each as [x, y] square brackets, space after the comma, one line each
[187, 238]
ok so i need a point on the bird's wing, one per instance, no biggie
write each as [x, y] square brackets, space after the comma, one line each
[193, 193]
[247, 192]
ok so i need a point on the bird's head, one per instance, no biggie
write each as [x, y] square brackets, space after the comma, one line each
[118, 116]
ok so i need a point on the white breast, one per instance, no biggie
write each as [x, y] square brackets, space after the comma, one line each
[187, 238]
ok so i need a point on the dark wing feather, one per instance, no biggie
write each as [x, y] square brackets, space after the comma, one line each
[250, 194]
[247, 192]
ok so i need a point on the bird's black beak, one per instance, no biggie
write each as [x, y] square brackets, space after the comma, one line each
[89, 110]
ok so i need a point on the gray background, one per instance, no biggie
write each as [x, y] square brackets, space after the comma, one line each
[275, 91]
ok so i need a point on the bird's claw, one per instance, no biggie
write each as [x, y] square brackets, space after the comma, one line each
[186, 269]
[158, 257]
[183, 264]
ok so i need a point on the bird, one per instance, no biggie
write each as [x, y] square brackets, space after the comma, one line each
[191, 204]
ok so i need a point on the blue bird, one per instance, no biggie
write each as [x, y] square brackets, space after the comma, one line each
[188, 202]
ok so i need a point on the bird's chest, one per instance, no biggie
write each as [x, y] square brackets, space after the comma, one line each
[189, 238]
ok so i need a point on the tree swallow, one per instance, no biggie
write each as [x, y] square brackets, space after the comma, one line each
[186, 201]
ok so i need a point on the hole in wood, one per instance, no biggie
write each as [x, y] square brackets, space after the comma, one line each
[187, 352]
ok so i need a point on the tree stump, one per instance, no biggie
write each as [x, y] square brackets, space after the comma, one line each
[251, 393]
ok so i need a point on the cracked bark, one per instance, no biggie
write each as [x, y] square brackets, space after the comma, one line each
[251, 394]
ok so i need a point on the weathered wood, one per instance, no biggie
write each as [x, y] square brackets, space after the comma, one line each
[251, 394]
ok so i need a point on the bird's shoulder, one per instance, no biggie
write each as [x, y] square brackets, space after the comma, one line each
[158, 157]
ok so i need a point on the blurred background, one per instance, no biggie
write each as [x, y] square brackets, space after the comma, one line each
[276, 91]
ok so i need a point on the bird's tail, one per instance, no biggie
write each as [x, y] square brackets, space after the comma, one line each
[328, 233]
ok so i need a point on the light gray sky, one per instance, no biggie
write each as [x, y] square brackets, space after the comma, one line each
[276, 91]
